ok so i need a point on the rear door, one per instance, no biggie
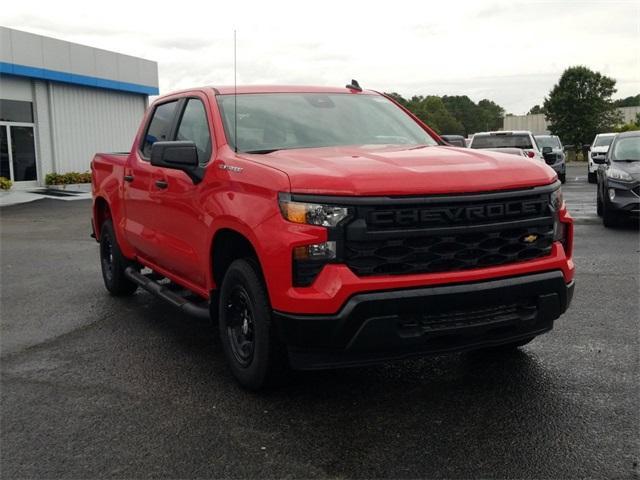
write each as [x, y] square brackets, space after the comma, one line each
[138, 178]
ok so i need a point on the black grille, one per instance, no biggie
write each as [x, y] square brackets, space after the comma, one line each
[448, 234]
[471, 317]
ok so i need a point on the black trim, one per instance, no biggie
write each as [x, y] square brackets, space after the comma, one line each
[376, 326]
[421, 199]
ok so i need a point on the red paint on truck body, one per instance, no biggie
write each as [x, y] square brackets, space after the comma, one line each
[172, 230]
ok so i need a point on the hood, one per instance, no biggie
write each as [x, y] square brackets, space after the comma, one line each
[632, 168]
[386, 170]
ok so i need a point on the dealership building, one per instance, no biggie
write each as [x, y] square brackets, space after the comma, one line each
[61, 102]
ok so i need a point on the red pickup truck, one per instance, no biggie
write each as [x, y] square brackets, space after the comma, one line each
[326, 227]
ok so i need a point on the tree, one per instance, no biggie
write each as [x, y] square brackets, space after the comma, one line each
[432, 111]
[579, 106]
[536, 109]
[492, 114]
[633, 101]
[466, 112]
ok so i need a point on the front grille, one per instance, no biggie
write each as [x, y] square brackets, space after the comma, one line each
[471, 317]
[444, 234]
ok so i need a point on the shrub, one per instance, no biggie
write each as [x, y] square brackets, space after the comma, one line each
[5, 183]
[67, 178]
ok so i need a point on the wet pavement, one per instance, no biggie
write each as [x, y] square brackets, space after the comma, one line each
[94, 386]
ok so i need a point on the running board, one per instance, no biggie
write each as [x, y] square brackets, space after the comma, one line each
[166, 294]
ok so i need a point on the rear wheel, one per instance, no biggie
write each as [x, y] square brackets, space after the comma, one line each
[113, 263]
[255, 355]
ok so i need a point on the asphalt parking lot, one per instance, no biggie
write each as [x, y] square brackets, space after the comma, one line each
[94, 386]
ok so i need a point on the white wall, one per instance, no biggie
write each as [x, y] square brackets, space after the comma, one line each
[537, 124]
[88, 120]
[15, 88]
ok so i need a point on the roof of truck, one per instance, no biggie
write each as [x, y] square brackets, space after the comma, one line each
[242, 89]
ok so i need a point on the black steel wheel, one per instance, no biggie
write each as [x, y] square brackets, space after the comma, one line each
[113, 263]
[240, 326]
[254, 353]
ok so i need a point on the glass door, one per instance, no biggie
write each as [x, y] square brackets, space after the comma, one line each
[18, 153]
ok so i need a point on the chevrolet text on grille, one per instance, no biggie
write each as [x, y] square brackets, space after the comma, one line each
[457, 214]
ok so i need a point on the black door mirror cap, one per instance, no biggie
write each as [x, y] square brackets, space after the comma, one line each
[178, 155]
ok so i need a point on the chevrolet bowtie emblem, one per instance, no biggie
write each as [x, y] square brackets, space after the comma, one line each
[531, 238]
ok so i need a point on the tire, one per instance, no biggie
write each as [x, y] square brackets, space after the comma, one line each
[592, 177]
[599, 206]
[563, 178]
[113, 263]
[610, 219]
[255, 355]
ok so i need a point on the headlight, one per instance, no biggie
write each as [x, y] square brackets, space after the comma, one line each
[556, 200]
[312, 213]
[617, 174]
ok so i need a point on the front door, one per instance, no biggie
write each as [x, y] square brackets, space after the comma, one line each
[18, 153]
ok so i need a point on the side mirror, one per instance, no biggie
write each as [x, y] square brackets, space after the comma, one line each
[586, 146]
[546, 150]
[178, 156]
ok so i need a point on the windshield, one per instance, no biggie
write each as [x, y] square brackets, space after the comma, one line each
[501, 141]
[627, 148]
[603, 140]
[548, 141]
[277, 121]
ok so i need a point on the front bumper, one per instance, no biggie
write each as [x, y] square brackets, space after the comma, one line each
[626, 200]
[373, 327]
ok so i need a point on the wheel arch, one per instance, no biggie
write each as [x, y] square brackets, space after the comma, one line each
[229, 244]
[101, 212]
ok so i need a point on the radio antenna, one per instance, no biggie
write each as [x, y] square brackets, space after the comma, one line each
[235, 94]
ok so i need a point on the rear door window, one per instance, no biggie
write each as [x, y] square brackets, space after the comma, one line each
[159, 127]
[502, 141]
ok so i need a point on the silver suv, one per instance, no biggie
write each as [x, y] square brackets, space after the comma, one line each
[553, 153]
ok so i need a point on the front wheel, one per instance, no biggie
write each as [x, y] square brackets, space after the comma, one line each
[563, 178]
[113, 263]
[592, 177]
[610, 219]
[255, 355]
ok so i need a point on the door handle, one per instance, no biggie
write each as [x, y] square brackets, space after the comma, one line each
[161, 184]
[128, 178]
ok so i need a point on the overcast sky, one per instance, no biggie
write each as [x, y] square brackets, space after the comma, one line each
[508, 51]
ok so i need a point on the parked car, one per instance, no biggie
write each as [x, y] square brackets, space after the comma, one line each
[329, 227]
[508, 139]
[455, 140]
[598, 150]
[552, 145]
[513, 151]
[619, 180]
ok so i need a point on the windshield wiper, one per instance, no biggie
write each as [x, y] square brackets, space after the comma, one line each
[262, 152]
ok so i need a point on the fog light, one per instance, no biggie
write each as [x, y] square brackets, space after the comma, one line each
[316, 251]
[612, 194]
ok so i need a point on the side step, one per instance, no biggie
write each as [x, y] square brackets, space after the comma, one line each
[166, 294]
